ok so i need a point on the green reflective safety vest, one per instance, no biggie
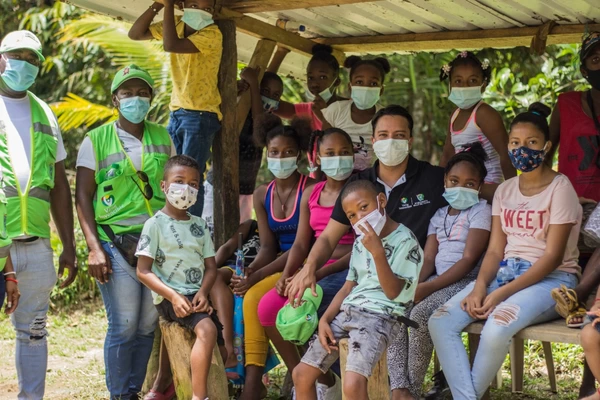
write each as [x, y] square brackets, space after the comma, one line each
[119, 201]
[29, 207]
[5, 241]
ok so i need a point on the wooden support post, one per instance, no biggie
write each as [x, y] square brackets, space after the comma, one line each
[153, 363]
[550, 365]
[517, 356]
[179, 342]
[278, 58]
[226, 143]
[260, 58]
[379, 385]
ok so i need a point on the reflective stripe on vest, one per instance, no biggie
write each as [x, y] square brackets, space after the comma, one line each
[35, 192]
[111, 159]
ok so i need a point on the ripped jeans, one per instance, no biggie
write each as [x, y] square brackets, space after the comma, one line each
[34, 265]
[530, 306]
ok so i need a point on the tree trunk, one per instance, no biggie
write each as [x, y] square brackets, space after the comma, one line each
[179, 342]
[153, 363]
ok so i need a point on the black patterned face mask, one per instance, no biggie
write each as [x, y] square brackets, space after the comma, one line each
[593, 77]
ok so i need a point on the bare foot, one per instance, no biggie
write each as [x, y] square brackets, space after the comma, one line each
[231, 361]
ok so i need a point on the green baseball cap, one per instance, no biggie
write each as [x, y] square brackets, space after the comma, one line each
[131, 72]
[297, 324]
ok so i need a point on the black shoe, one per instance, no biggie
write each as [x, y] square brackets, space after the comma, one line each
[440, 389]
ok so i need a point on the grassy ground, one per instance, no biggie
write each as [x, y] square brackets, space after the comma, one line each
[76, 367]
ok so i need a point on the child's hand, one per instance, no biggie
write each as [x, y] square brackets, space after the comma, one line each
[242, 86]
[370, 239]
[250, 75]
[181, 306]
[242, 285]
[326, 336]
[201, 304]
[473, 301]
[319, 103]
[281, 284]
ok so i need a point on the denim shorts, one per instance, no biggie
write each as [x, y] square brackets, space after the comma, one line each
[368, 335]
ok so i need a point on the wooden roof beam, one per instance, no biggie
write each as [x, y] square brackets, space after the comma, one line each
[263, 30]
[256, 6]
[444, 41]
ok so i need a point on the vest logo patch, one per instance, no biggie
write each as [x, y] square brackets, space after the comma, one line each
[108, 200]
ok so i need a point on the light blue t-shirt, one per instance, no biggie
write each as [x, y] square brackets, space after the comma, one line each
[178, 249]
[405, 258]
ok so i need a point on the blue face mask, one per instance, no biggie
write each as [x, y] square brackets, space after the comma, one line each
[525, 159]
[461, 198]
[365, 97]
[282, 168]
[134, 109]
[19, 75]
[338, 168]
[197, 19]
[465, 97]
[269, 105]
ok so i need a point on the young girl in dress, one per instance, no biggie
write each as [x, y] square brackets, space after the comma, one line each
[457, 237]
[535, 224]
[474, 120]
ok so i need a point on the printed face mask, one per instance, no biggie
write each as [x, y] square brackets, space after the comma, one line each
[282, 168]
[461, 198]
[19, 75]
[134, 109]
[465, 97]
[365, 97]
[197, 19]
[374, 218]
[525, 159]
[181, 196]
[269, 105]
[338, 168]
[326, 94]
[391, 152]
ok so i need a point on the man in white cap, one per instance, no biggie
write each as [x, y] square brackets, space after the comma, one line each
[32, 160]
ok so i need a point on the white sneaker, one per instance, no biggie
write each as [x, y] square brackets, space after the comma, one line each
[331, 393]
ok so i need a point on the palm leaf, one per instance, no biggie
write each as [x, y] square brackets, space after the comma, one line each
[74, 112]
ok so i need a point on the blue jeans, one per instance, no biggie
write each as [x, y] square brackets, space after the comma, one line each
[530, 306]
[193, 133]
[132, 319]
[34, 265]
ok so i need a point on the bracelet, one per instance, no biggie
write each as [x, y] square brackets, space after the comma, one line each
[11, 280]
[154, 9]
[10, 273]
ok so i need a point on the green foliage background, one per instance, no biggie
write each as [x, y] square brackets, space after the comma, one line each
[84, 51]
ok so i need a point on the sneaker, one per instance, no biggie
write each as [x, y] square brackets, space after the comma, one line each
[440, 389]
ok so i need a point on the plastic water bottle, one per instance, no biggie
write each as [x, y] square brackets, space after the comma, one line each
[290, 26]
[505, 274]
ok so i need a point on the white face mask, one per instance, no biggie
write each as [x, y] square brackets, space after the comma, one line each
[181, 196]
[282, 168]
[391, 152]
[374, 218]
[326, 94]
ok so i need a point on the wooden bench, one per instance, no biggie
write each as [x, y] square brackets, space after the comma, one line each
[549, 332]
[179, 342]
[379, 385]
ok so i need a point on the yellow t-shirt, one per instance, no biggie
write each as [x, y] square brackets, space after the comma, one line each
[195, 75]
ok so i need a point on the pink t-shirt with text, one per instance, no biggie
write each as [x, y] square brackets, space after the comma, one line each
[526, 220]
[305, 110]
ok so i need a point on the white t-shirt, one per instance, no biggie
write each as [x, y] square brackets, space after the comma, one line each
[16, 116]
[339, 115]
[132, 145]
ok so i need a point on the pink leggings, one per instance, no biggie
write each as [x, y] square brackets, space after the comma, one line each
[272, 302]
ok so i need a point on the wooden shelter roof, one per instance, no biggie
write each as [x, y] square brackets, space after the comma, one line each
[361, 26]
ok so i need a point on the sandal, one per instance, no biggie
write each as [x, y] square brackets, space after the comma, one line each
[568, 306]
[168, 394]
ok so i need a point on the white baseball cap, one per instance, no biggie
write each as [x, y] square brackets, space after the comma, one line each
[24, 39]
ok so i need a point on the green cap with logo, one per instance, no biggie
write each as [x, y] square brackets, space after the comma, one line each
[297, 324]
[131, 72]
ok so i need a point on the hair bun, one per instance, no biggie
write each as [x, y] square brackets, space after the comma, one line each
[352, 61]
[476, 150]
[385, 64]
[540, 109]
[321, 48]
[303, 127]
